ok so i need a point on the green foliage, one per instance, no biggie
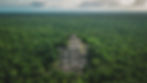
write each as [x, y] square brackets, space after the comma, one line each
[29, 48]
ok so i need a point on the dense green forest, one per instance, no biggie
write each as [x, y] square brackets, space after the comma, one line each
[117, 47]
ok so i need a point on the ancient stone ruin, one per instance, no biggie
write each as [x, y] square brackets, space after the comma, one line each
[73, 56]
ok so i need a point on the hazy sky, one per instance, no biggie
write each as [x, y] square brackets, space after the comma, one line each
[73, 5]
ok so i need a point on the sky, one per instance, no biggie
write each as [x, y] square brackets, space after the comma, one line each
[73, 5]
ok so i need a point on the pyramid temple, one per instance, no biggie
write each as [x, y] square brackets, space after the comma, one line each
[73, 57]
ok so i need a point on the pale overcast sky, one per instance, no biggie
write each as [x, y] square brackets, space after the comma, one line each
[73, 5]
